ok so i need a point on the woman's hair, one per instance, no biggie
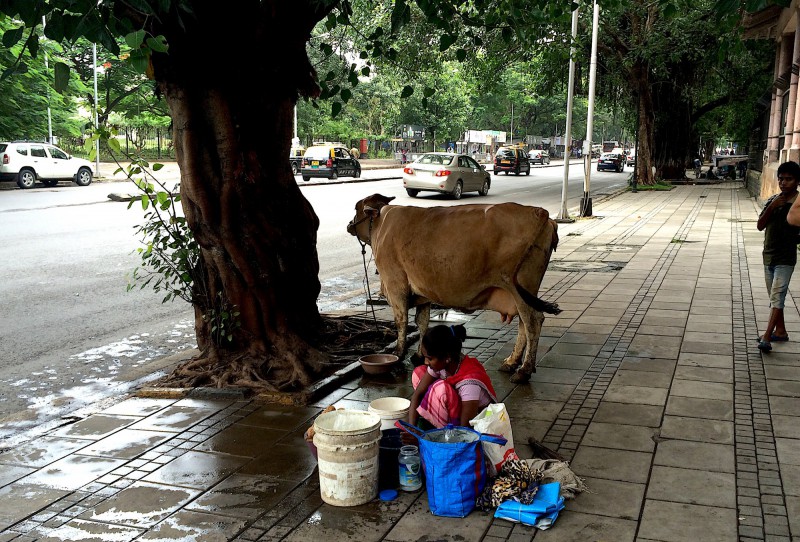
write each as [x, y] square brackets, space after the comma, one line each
[444, 341]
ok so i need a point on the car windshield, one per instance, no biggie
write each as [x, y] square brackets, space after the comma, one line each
[318, 153]
[609, 156]
[505, 153]
[436, 159]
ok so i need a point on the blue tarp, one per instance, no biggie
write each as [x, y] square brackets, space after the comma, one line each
[541, 513]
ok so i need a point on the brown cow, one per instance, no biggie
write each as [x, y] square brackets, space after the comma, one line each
[466, 257]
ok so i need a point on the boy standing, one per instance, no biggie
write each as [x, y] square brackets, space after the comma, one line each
[780, 251]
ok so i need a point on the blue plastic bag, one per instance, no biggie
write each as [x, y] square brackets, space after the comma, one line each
[455, 472]
[541, 513]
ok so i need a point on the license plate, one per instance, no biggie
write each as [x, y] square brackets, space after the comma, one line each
[314, 164]
[505, 162]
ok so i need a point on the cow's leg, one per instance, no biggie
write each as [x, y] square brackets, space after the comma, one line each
[511, 363]
[533, 329]
[400, 309]
[421, 318]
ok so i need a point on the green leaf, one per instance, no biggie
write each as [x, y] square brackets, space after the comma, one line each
[134, 40]
[336, 107]
[428, 92]
[145, 202]
[445, 41]
[401, 15]
[61, 74]
[157, 167]
[158, 44]
[365, 71]
[461, 55]
[12, 36]
[346, 95]
[139, 60]
[408, 90]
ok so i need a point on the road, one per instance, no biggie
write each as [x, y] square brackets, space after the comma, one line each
[73, 336]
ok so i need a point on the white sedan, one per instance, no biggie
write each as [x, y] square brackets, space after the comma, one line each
[447, 173]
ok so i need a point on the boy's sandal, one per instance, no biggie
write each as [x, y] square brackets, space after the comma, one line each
[764, 346]
[778, 338]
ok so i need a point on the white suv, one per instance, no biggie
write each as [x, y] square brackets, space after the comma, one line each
[25, 162]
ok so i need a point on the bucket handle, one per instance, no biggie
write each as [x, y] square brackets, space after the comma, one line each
[407, 427]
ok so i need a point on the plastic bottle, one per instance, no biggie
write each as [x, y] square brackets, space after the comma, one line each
[409, 465]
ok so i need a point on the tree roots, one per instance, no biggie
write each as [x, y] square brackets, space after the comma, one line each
[341, 341]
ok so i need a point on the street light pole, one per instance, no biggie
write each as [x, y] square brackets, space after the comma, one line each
[563, 215]
[586, 201]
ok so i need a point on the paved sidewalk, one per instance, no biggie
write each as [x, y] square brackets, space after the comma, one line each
[649, 381]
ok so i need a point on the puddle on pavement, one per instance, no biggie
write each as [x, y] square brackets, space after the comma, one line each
[19, 500]
[174, 419]
[242, 440]
[285, 461]
[95, 427]
[195, 526]
[243, 496]
[96, 372]
[87, 531]
[196, 469]
[141, 505]
[73, 472]
[126, 444]
[42, 451]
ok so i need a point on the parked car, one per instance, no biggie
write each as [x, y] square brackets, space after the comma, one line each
[296, 158]
[538, 156]
[511, 159]
[631, 159]
[26, 162]
[447, 173]
[611, 160]
[331, 161]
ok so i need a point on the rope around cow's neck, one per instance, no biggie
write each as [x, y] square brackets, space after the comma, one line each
[366, 271]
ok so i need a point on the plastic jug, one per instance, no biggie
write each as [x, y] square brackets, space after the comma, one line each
[410, 468]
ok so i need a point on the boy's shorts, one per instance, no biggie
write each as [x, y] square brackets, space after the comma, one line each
[777, 277]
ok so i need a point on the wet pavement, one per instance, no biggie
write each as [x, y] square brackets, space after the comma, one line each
[650, 382]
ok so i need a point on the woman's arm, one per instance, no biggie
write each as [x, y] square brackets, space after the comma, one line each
[469, 409]
[416, 398]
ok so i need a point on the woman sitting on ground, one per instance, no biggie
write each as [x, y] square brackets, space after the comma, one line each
[450, 388]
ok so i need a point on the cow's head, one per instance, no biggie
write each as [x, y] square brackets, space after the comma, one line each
[367, 210]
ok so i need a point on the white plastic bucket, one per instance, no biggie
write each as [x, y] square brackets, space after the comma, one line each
[390, 409]
[347, 456]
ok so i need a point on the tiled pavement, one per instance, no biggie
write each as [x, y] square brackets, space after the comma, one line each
[649, 381]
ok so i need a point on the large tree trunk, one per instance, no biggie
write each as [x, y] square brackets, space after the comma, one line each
[256, 231]
[641, 82]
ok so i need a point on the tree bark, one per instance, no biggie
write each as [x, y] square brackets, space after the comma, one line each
[256, 231]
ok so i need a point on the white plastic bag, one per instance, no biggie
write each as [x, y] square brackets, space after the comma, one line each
[494, 420]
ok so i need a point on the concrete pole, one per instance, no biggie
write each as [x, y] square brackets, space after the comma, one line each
[49, 116]
[563, 215]
[586, 201]
[789, 129]
[96, 117]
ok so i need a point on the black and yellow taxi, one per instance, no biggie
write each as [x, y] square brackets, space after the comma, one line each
[512, 159]
[329, 160]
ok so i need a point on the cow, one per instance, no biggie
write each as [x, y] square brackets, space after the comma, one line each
[465, 257]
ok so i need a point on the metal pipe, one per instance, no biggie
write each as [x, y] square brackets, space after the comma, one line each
[586, 202]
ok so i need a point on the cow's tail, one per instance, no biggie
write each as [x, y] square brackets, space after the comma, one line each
[538, 304]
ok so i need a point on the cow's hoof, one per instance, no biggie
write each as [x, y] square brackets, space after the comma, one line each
[520, 378]
[416, 360]
[504, 368]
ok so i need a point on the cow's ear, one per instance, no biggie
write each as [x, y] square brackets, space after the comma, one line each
[371, 212]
